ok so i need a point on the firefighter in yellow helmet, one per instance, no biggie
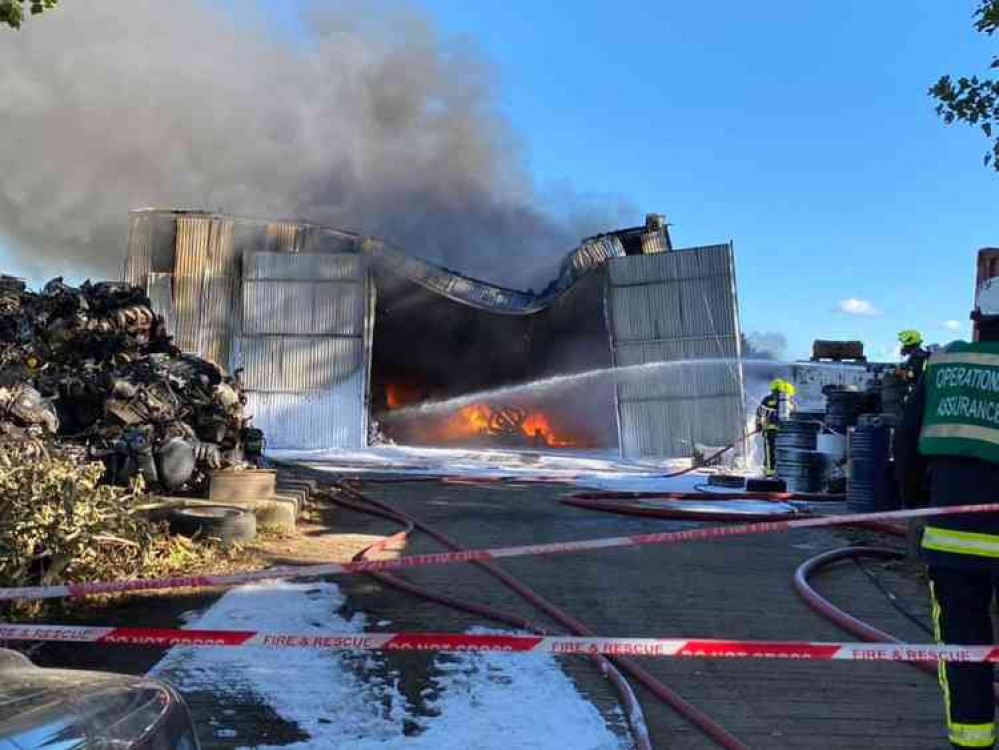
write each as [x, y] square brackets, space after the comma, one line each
[947, 453]
[768, 418]
[915, 356]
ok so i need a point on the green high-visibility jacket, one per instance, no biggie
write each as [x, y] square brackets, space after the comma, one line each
[961, 415]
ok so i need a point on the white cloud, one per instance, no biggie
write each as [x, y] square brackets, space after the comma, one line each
[856, 306]
[888, 353]
[953, 325]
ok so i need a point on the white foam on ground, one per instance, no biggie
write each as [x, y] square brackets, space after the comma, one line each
[482, 463]
[481, 700]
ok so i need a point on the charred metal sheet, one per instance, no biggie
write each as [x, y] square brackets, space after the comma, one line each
[138, 262]
[317, 239]
[159, 288]
[678, 307]
[282, 237]
[483, 295]
[189, 279]
[654, 242]
[220, 313]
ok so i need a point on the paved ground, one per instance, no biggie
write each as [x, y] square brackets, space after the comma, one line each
[737, 588]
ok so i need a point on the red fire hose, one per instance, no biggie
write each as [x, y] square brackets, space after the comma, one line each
[636, 719]
[676, 511]
[711, 728]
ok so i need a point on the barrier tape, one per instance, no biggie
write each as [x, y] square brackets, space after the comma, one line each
[676, 648]
[497, 553]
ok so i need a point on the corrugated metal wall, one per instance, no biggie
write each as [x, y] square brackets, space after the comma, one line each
[304, 347]
[674, 307]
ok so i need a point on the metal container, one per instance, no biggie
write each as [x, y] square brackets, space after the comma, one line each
[870, 483]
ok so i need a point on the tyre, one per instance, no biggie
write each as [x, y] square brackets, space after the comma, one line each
[225, 522]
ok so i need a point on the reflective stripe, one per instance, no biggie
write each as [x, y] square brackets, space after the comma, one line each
[964, 358]
[962, 735]
[973, 735]
[960, 542]
[968, 431]
[941, 665]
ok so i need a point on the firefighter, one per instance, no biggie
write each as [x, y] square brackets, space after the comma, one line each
[915, 357]
[768, 417]
[947, 453]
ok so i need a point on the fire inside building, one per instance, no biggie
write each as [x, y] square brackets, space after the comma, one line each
[342, 340]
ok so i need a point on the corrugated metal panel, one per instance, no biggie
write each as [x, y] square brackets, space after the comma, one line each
[300, 308]
[654, 242]
[316, 420]
[690, 422]
[138, 262]
[159, 288]
[188, 287]
[219, 321]
[676, 307]
[299, 363]
[647, 312]
[316, 239]
[282, 237]
[678, 264]
[303, 267]
[304, 348]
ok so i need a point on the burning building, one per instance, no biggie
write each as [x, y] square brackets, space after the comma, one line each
[340, 339]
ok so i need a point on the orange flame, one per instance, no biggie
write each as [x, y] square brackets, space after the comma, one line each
[537, 424]
[402, 394]
[477, 420]
[467, 422]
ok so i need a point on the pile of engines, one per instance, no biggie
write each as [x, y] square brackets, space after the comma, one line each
[91, 371]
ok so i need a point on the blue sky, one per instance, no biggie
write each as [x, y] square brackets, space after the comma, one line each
[800, 130]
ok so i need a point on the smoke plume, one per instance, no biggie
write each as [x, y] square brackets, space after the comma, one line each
[764, 345]
[377, 126]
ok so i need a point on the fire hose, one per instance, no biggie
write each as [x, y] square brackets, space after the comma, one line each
[706, 724]
[845, 621]
[636, 720]
[815, 601]
[713, 457]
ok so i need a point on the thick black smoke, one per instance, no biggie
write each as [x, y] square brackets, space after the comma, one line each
[371, 122]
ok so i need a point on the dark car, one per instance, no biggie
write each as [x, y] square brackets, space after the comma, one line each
[62, 709]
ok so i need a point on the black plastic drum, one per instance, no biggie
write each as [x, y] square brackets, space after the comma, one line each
[801, 467]
[871, 484]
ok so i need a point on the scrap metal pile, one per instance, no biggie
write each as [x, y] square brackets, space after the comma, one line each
[90, 371]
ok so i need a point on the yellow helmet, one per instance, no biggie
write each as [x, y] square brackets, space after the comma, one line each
[782, 386]
[910, 337]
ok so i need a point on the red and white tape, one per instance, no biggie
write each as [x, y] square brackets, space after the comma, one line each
[675, 648]
[497, 553]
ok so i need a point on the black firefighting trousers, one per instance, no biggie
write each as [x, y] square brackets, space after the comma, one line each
[962, 615]
[769, 449]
